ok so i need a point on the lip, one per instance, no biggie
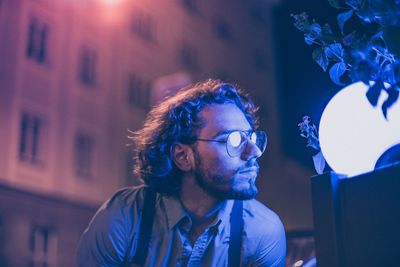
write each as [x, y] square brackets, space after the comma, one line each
[250, 169]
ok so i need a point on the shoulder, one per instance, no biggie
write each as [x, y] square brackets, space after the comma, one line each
[105, 239]
[256, 213]
[121, 209]
[125, 198]
[265, 234]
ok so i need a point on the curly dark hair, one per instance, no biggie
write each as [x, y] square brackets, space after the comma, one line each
[175, 120]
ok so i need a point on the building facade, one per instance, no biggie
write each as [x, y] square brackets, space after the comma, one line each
[76, 75]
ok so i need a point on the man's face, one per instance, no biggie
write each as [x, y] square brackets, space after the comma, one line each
[221, 175]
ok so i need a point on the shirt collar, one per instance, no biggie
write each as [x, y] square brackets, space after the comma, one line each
[224, 215]
[175, 212]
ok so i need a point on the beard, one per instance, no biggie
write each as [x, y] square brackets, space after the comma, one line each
[215, 184]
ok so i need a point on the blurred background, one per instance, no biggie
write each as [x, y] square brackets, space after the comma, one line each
[76, 75]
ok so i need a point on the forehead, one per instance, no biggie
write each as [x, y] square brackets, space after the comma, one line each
[223, 117]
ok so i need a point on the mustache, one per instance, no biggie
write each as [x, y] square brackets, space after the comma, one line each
[248, 165]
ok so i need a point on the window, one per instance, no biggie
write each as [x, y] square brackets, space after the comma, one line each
[83, 162]
[188, 57]
[38, 33]
[138, 92]
[43, 247]
[223, 30]
[87, 66]
[31, 138]
[144, 27]
[190, 6]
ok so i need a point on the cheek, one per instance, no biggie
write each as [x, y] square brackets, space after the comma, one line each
[219, 163]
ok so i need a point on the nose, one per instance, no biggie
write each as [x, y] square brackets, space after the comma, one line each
[251, 151]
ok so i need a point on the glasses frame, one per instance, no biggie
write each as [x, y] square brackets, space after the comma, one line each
[247, 134]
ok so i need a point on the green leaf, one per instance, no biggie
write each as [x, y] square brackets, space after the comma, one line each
[383, 12]
[336, 72]
[320, 57]
[327, 30]
[315, 29]
[309, 39]
[374, 92]
[378, 35]
[334, 3]
[334, 50]
[343, 17]
[395, 72]
[352, 40]
[314, 33]
[355, 4]
[392, 98]
[301, 21]
[387, 73]
[363, 70]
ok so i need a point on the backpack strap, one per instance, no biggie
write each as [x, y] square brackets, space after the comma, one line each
[235, 240]
[145, 228]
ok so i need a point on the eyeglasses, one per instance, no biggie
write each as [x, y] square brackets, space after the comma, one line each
[236, 141]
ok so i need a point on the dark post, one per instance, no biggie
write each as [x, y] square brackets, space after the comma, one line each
[357, 219]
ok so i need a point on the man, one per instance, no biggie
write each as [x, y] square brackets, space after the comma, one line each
[197, 153]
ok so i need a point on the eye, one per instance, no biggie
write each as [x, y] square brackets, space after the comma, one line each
[253, 137]
[234, 139]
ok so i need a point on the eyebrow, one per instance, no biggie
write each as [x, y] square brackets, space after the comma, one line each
[230, 131]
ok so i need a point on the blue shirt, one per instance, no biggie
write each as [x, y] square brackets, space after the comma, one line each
[112, 234]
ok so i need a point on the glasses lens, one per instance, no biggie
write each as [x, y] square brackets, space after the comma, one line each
[261, 140]
[253, 137]
[237, 141]
[234, 139]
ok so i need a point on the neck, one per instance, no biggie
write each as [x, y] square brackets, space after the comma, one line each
[201, 206]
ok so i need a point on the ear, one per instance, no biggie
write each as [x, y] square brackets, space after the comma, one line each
[182, 156]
